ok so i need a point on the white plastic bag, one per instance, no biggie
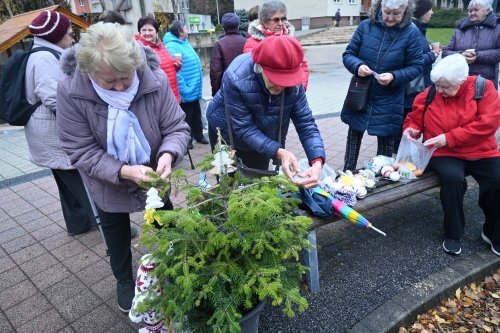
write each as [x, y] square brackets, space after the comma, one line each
[376, 163]
[413, 155]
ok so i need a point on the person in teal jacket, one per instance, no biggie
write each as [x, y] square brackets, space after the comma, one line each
[189, 78]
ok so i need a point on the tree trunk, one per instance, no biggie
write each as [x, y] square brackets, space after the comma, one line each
[8, 7]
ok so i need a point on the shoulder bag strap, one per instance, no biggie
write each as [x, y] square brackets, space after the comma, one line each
[376, 69]
[428, 100]
[230, 129]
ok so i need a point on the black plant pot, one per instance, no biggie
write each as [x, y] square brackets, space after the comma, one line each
[249, 323]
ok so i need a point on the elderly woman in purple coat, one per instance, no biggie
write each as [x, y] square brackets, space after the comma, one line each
[477, 38]
[117, 118]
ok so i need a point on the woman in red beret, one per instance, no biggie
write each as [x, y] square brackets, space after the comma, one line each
[253, 88]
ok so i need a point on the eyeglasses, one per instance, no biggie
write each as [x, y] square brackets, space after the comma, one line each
[71, 34]
[277, 19]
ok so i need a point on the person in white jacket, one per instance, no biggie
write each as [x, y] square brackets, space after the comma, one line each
[53, 30]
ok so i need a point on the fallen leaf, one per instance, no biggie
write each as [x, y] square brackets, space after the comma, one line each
[487, 328]
[457, 293]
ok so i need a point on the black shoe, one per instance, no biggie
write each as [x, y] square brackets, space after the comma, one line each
[190, 145]
[203, 141]
[452, 246]
[133, 231]
[125, 291]
[92, 228]
[495, 248]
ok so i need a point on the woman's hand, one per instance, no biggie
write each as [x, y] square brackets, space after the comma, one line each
[437, 141]
[311, 176]
[288, 160]
[470, 57]
[411, 133]
[364, 70]
[436, 53]
[135, 173]
[384, 78]
[164, 168]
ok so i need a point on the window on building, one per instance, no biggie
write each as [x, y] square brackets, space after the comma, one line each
[352, 2]
[81, 3]
[336, 1]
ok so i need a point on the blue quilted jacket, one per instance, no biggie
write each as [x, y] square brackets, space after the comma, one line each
[429, 58]
[384, 114]
[255, 113]
[190, 76]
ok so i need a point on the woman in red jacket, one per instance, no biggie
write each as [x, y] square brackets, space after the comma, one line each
[272, 21]
[148, 35]
[463, 130]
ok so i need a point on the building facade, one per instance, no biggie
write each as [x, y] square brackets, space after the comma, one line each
[319, 14]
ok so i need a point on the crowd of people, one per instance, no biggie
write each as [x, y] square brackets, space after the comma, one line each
[117, 104]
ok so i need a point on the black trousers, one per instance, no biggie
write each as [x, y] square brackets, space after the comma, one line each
[75, 203]
[251, 159]
[353, 145]
[116, 230]
[193, 118]
[486, 172]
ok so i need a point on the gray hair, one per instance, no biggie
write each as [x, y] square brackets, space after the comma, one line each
[452, 69]
[176, 27]
[395, 4]
[486, 4]
[112, 45]
[269, 8]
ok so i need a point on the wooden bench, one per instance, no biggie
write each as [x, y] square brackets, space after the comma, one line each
[386, 192]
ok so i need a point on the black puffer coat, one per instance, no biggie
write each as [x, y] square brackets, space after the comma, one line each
[485, 38]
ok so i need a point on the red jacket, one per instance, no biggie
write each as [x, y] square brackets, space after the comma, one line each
[166, 63]
[469, 125]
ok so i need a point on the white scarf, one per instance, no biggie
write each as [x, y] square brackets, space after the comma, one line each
[125, 139]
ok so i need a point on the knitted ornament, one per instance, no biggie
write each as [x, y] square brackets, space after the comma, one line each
[152, 321]
[50, 25]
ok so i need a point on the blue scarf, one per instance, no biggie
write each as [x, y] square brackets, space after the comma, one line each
[125, 138]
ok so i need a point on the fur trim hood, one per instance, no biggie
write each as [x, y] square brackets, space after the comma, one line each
[491, 20]
[375, 8]
[68, 59]
[255, 29]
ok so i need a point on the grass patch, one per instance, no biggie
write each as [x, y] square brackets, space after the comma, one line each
[441, 35]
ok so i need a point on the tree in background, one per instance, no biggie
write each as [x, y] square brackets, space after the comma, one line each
[209, 7]
[9, 8]
[243, 15]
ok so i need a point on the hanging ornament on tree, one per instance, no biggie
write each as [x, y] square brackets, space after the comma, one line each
[224, 158]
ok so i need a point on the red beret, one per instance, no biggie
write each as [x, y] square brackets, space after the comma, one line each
[50, 25]
[280, 57]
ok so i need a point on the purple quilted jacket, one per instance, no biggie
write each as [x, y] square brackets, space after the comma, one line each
[485, 38]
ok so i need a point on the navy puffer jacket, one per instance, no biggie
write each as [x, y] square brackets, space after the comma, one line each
[429, 59]
[255, 113]
[485, 38]
[384, 113]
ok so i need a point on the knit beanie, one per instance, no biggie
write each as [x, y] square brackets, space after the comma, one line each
[230, 21]
[50, 25]
[280, 58]
[422, 7]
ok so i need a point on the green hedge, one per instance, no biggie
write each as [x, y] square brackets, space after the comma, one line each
[446, 18]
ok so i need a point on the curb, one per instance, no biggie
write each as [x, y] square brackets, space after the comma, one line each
[402, 309]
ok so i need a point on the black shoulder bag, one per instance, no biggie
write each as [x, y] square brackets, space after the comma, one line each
[245, 171]
[359, 87]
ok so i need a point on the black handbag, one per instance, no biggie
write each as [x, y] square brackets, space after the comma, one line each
[359, 87]
[245, 171]
[357, 95]
[415, 87]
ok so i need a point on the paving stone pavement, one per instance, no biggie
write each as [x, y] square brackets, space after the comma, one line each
[51, 282]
